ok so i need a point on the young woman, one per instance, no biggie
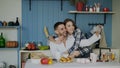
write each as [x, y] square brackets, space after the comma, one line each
[81, 46]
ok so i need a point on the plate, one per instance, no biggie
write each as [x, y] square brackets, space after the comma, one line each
[30, 49]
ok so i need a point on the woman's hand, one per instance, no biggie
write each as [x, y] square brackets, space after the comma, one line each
[74, 54]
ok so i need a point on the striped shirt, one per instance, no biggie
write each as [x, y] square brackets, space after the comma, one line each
[78, 35]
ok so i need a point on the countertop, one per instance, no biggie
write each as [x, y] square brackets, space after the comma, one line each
[29, 64]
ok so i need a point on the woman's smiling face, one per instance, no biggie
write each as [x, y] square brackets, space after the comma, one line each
[70, 27]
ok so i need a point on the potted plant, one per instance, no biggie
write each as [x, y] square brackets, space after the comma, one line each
[79, 4]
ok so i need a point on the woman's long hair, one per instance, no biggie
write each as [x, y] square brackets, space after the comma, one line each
[67, 20]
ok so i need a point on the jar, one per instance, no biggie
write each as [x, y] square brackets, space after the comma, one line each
[86, 8]
[90, 9]
[4, 23]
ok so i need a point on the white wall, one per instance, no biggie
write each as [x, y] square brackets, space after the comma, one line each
[9, 10]
[116, 24]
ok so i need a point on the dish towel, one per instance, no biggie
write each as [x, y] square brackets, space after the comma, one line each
[103, 43]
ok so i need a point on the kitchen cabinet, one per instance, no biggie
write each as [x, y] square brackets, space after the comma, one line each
[24, 55]
[115, 51]
[8, 31]
[25, 62]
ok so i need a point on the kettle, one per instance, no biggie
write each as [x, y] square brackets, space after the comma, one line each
[12, 66]
[11, 23]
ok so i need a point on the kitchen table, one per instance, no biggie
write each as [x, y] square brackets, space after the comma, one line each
[29, 64]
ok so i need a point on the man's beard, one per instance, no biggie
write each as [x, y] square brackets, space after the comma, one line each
[63, 34]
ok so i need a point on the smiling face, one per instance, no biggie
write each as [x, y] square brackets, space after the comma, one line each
[70, 27]
[60, 30]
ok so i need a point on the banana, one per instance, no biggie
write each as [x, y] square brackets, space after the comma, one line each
[113, 56]
[46, 31]
[65, 60]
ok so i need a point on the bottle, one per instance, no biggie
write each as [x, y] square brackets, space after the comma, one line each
[2, 41]
[90, 9]
[39, 44]
[17, 22]
[86, 8]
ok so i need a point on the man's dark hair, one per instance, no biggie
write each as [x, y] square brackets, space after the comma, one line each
[67, 20]
[57, 24]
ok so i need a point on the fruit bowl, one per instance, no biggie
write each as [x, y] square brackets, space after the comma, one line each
[65, 60]
[30, 49]
[30, 46]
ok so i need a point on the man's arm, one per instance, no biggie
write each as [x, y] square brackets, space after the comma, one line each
[52, 39]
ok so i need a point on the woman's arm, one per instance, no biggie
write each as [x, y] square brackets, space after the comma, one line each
[78, 35]
[91, 40]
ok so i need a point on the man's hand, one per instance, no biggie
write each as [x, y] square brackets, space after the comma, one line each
[66, 52]
[53, 40]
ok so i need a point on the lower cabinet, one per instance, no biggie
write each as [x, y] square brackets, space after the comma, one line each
[25, 55]
[111, 55]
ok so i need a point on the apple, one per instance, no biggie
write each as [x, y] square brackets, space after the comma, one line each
[44, 60]
[32, 46]
[29, 47]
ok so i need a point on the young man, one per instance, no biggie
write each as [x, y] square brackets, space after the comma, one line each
[65, 43]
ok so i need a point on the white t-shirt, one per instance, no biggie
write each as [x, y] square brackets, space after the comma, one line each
[58, 49]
